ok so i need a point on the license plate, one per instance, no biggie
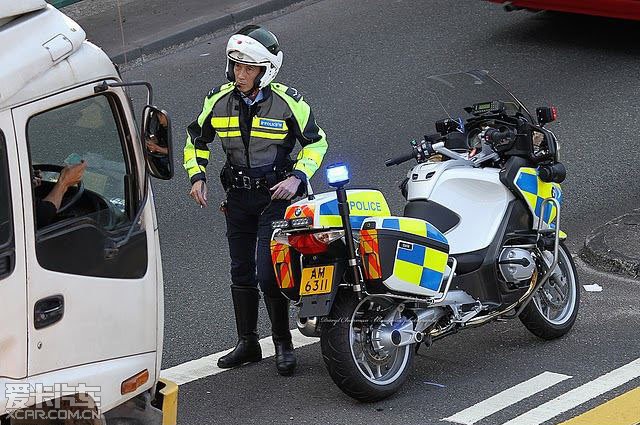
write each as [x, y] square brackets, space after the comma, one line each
[316, 280]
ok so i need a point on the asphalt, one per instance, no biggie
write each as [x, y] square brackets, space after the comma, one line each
[590, 77]
[131, 29]
[361, 77]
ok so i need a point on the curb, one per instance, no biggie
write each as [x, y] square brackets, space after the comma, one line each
[199, 27]
[598, 253]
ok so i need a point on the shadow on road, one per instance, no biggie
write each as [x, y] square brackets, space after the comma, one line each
[557, 30]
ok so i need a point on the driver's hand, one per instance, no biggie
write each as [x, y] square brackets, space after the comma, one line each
[72, 174]
[37, 178]
[154, 147]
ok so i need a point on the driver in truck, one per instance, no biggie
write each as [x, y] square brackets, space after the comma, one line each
[47, 208]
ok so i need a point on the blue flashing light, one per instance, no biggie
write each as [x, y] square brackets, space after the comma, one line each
[338, 174]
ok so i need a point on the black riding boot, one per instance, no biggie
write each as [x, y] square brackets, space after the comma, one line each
[278, 309]
[245, 305]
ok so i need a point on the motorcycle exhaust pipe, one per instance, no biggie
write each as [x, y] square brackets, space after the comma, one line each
[413, 337]
[389, 336]
[402, 338]
[404, 335]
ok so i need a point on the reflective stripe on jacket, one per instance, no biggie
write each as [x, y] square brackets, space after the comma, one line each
[255, 136]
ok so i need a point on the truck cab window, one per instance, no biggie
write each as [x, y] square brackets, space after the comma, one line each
[79, 164]
[85, 192]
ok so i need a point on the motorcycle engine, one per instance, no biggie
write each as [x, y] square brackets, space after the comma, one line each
[516, 264]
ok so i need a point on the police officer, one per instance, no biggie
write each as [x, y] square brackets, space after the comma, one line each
[258, 123]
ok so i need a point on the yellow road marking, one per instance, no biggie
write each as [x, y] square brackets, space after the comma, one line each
[622, 410]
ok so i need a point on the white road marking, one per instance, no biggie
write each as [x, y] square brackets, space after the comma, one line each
[507, 398]
[580, 395]
[207, 366]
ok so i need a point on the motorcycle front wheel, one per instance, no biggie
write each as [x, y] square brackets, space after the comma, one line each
[553, 309]
[358, 366]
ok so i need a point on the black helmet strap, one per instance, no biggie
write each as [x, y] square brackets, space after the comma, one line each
[256, 82]
[231, 76]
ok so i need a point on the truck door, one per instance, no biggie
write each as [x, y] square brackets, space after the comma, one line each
[13, 290]
[89, 299]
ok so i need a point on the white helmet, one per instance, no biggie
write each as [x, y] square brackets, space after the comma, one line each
[253, 45]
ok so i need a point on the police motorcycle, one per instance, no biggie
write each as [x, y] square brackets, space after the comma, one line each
[479, 241]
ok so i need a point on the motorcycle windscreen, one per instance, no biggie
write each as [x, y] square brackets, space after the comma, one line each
[406, 255]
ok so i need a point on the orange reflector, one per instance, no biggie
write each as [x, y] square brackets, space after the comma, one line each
[135, 382]
[370, 252]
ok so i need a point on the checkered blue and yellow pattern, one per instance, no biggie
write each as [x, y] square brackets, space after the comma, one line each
[414, 263]
[420, 265]
[535, 191]
[414, 226]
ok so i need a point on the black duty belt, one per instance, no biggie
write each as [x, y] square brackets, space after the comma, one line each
[233, 178]
[246, 182]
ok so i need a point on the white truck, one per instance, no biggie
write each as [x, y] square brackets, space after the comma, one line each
[81, 293]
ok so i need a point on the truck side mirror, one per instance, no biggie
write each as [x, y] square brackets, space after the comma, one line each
[156, 137]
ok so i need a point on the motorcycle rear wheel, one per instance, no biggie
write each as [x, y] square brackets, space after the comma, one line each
[355, 366]
[554, 308]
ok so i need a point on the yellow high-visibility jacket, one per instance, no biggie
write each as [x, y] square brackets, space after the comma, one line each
[258, 136]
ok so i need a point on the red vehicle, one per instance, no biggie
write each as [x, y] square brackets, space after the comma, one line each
[623, 9]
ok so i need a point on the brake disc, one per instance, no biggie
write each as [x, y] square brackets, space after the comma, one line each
[372, 355]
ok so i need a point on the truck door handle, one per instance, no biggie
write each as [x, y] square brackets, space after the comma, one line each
[48, 311]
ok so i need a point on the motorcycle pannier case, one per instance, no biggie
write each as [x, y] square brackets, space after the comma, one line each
[406, 255]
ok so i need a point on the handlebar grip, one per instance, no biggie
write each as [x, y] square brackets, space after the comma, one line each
[400, 159]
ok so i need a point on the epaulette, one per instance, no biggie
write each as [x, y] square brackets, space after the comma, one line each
[217, 89]
[213, 91]
[290, 91]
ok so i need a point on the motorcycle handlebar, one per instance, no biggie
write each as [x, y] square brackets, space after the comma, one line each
[493, 135]
[400, 159]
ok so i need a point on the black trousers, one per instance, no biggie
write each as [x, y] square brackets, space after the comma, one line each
[249, 216]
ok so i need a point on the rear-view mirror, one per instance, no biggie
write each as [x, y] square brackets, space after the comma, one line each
[156, 139]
